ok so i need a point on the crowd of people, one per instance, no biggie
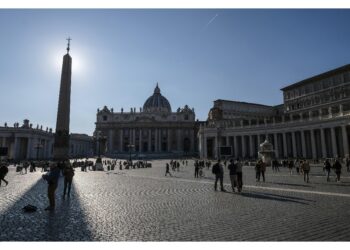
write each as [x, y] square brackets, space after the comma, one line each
[53, 170]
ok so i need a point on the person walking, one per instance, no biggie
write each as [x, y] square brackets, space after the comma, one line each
[337, 168]
[306, 170]
[52, 180]
[327, 168]
[233, 174]
[68, 174]
[3, 172]
[218, 170]
[167, 169]
[297, 166]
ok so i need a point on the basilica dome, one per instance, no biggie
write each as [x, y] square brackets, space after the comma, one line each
[157, 103]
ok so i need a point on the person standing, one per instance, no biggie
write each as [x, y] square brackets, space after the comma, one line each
[3, 172]
[327, 167]
[290, 166]
[196, 169]
[257, 170]
[239, 171]
[348, 164]
[233, 174]
[68, 174]
[218, 170]
[167, 169]
[52, 180]
[337, 168]
[262, 169]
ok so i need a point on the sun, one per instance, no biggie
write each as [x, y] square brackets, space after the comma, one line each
[77, 62]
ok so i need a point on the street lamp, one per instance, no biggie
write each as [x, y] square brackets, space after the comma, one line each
[99, 138]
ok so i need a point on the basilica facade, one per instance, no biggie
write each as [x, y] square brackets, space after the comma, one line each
[152, 131]
[313, 122]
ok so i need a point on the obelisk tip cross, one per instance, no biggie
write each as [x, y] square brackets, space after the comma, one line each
[68, 45]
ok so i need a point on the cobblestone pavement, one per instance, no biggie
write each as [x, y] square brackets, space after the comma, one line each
[144, 205]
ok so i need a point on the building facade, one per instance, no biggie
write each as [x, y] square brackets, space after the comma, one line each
[313, 122]
[26, 142]
[154, 130]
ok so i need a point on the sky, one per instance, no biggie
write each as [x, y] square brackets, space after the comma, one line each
[196, 56]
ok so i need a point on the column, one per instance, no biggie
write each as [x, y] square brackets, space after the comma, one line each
[243, 147]
[29, 148]
[345, 141]
[15, 147]
[235, 145]
[160, 140]
[205, 150]
[192, 141]
[251, 144]
[169, 139]
[334, 143]
[313, 145]
[121, 141]
[303, 146]
[110, 141]
[330, 112]
[149, 140]
[259, 140]
[285, 152]
[320, 114]
[275, 139]
[294, 145]
[133, 137]
[310, 115]
[178, 139]
[216, 155]
[156, 140]
[323, 142]
[341, 109]
[140, 140]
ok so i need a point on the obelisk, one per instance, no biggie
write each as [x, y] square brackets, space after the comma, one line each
[61, 143]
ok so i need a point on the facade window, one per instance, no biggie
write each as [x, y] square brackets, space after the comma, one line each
[104, 118]
[186, 117]
[346, 77]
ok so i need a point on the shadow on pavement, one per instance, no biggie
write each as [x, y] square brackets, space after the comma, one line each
[66, 223]
[289, 184]
[267, 196]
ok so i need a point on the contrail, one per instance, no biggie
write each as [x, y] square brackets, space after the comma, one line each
[211, 20]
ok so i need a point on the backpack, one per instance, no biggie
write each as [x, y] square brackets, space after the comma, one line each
[4, 170]
[215, 169]
[29, 208]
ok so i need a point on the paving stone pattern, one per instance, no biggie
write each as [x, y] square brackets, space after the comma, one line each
[144, 205]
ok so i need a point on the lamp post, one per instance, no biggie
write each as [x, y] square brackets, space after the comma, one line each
[99, 138]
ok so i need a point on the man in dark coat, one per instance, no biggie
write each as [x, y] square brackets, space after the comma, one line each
[218, 170]
[52, 180]
[3, 172]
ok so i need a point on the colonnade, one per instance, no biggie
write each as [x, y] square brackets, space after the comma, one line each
[311, 143]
